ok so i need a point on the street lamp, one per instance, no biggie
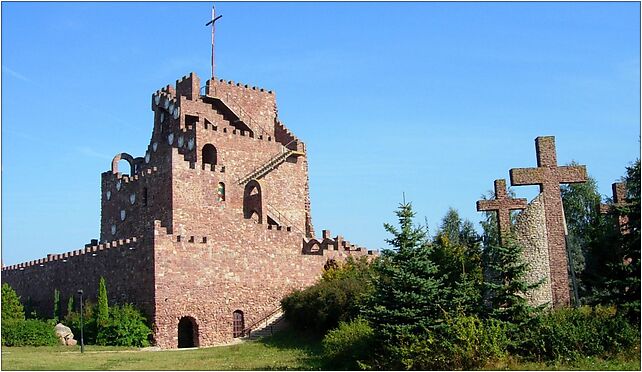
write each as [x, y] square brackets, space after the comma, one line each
[82, 341]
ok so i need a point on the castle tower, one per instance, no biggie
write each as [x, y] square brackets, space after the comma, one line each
[208, 229]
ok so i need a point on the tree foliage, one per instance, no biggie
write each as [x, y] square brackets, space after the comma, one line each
[336, 297]
[407, 300]
[12, 308]
[507, 285]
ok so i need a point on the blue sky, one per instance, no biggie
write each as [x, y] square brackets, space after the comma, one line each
[432, 99]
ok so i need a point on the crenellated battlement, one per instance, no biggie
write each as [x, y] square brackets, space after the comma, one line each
[338, 243]
[93, 249]
[243, 85]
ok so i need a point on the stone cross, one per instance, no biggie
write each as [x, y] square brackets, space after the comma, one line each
[619, 200]
[502, 204]
[548, 175]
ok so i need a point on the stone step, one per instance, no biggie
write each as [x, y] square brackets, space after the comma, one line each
[273, 325]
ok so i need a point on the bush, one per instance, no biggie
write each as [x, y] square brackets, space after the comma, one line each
[463, 342]
[126, 327]
[30, 332]
[90, 329]
[468, 342]
[567, 334]
[349, 345]
[12, 309]
[336, 297]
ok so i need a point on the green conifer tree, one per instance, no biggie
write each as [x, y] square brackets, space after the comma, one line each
[103, 306]
[507, 284]
[406, 303]
[56, 309]
[70, 305]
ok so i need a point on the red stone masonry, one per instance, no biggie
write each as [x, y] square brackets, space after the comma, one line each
[502, 204]
[548, 175]
[213, 219]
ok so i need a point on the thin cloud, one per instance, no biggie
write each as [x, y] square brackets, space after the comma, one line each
[88, 151]
[15, 74]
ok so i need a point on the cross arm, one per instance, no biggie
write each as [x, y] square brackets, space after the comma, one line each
[571, 174]
[527, 176]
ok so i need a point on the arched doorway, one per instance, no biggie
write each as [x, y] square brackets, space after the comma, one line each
[253, 201]
[238, 323]
[187, 332]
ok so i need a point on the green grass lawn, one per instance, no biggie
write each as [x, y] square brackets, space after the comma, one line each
[285, 350]
[282, 351]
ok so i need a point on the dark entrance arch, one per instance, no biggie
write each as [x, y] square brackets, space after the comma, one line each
[187, 332]
[238, 323]
[208, 154]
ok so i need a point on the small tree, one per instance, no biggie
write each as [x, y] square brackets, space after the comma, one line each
[56, 309]
[70, 305]
[12, 309]
[102, 316]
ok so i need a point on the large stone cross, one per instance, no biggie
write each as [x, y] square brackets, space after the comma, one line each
[619, 200]
[548, 175]
[502, 204]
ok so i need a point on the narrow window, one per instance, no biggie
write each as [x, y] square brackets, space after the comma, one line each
[144, 196]
[220, 192]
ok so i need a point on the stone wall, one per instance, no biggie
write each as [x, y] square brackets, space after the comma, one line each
[127, 266]
[530, 233]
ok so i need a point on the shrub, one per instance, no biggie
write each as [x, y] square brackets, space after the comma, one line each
[567, 334]
[347, 346]
[30, 332]
[336, 297]
[126, 327]
[90, 330]
[463, 342]
[468, 342]
[12, 309]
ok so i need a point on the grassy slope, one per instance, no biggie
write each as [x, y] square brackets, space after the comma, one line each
[283, 351]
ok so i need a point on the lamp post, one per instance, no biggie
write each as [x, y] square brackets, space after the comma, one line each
[82, 341]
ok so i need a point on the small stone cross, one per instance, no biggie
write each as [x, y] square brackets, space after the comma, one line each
[619, 200]
[502, 204]
[548, 175]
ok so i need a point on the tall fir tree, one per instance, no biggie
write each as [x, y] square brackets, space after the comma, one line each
[407, 301]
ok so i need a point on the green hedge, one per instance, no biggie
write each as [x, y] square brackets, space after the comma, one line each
[568, 334]
[30, 332]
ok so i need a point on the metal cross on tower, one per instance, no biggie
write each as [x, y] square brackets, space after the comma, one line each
[212, 22]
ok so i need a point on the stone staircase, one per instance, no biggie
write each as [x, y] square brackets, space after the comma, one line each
[234, 113]
[269, 165]
[267, 327]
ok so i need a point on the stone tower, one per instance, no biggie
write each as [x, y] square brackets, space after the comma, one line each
[205, 232]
